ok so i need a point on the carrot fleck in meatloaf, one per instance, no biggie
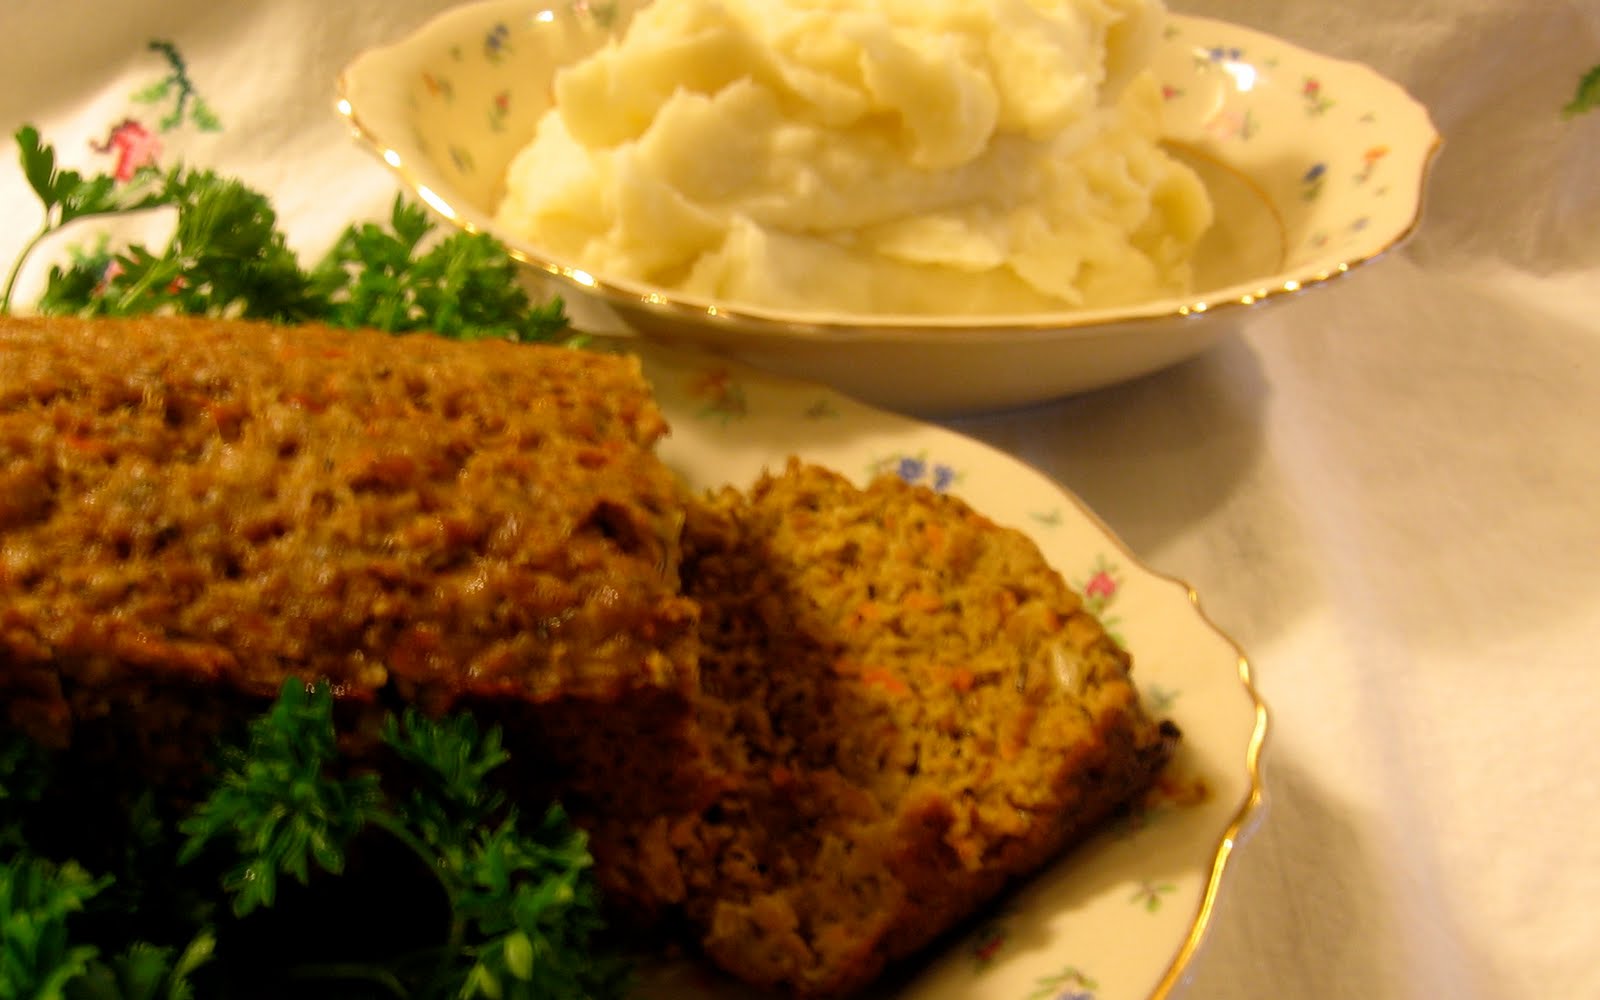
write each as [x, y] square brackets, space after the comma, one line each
[920, 709]
[192, 510]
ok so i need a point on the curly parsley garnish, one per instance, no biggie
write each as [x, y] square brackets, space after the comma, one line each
[45, 901]
[521, 910]
[228, 257]
[520, 914]
[67, 196]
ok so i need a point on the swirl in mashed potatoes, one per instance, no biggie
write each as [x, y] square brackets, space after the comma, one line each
[872, 156]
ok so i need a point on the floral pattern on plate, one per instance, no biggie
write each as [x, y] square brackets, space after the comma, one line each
[918, 470]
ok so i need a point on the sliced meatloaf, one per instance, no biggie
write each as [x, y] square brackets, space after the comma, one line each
[920, 711]
[193, 510]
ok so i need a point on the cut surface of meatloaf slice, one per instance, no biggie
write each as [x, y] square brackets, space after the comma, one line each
[919, 708]
[192, 510]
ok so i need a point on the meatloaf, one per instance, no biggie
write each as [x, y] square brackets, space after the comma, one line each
[193, 510]
[918, 708]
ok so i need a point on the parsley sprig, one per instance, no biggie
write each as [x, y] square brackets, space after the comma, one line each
[522, 910]
[278, 803]
[67, 196]
[464, 287]
[45, 901]
[226, 257]
[288, 807]
[229, 257]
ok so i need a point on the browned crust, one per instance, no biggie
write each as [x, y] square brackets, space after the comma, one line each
[226, 504]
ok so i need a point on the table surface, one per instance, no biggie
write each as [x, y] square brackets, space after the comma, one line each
[1388, 491]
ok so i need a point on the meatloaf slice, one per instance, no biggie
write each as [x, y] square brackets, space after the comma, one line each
[920, 709]
[193, 510]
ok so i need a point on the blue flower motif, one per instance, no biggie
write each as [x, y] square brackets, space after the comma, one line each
[911, 469]
[1221, 54]
[1316, 171]
[916, 470]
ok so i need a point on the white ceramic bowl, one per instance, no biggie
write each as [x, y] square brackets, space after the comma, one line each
[1315, 165]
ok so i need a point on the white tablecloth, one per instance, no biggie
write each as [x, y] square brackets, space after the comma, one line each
[1387, 491]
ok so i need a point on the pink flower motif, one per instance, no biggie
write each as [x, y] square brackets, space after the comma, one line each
[135, 146]
[1102, 584]
[1232, 125]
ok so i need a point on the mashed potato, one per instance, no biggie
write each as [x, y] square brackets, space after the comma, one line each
[881, 156]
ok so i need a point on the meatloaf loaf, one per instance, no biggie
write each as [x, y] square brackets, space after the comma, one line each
[920, 711]
[193, 510]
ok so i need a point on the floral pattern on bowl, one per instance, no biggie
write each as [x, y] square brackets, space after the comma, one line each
[1342, 180]
[1315, 165]
[1117, 917]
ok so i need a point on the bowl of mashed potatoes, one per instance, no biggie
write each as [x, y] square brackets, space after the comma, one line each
[937, 206]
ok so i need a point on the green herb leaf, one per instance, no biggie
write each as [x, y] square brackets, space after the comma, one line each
[38, 956]
[465, 286]
[447, 764]
[67, 196]
[80, 197]
[38, 165]
[227, 257]
[534, 911]
[277, 804]
[523, 904]
[75, 195]
[144, 972]
[1587, 96]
